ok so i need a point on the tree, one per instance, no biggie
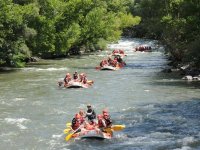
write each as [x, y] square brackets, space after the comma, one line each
[13, 48]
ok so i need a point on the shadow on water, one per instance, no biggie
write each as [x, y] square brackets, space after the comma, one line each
[5, 70]
[188, 84]
[174, 79]
[157, 125]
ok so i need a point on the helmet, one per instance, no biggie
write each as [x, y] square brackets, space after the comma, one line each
[77, 116]
[105, 114]
[105, 111]
[81, 75]
[81, 112]
[89, 105]
[99, 116]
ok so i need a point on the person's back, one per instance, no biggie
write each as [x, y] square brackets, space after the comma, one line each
[101, 122]
[101, 63]
[90, 114]
[119, 59]
[67, 79]
[75, 75]
[76, 122]
[84, 80]
[81, 76]
[121, 51]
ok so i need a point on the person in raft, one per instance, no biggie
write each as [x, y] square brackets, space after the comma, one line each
[75, 76]
[82, 116]
[76, 121]
[104, 120]
[67, 79]
[90, 114]
[83, 78]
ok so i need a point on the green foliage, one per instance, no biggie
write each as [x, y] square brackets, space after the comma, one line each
[193, 52]
[53, 28]
[67, 38]
[176, 22]
[12, 33]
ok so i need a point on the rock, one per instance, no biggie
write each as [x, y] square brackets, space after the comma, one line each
[185, 67]
[34, 59]
[175, 69]
[196, 78]
[188, 77]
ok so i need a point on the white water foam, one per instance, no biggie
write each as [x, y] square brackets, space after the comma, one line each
[184, 148]
[146, 90]
[18, 122]
[5, 103]
[58, 136]
[59, 112]
[186, 141]
[45, 69]
[37, 103]
[7, 134]
[19, 99]
[129, 108]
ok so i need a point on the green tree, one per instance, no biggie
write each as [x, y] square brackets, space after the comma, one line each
[13, 48]
[54, 28]
[175, 22]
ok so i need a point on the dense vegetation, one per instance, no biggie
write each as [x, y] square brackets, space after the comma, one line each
[175, 22]
[55, 28]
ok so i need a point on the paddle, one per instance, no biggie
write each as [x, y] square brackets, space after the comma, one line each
[69, 136]
[114, 128]
[67, 130]
[90, 82]
[68, 124]
[117, 127]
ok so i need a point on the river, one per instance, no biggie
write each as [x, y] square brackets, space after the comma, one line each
[160, 110]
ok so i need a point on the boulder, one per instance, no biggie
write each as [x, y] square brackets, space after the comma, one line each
[197, 78]
[188, 77]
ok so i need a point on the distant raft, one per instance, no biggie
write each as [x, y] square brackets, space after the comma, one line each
[107, 67]
[143, 48]
[76, 84]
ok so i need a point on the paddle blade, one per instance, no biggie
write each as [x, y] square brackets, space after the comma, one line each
[108, 130]
[68, 137]
[118, 127]
[90, 82]
[67, 130]
[68, 124]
